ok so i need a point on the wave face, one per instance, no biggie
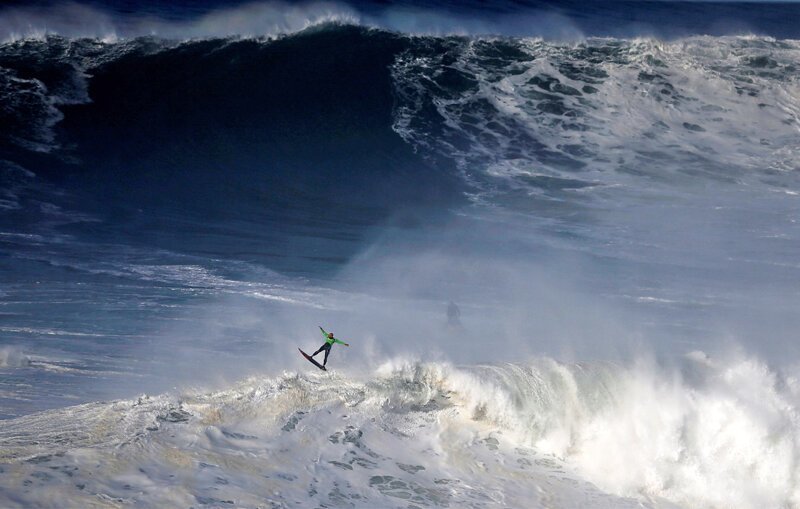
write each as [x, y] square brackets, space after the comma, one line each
[169, 204]
[430, 435]
[506, 120]
[235, 132]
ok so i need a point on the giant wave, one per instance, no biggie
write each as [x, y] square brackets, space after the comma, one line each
[169, 203]
[521, 122]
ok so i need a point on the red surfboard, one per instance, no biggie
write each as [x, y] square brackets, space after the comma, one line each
[312, 361]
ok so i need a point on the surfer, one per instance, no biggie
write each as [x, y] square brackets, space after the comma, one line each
[329, 341]
[453, 315]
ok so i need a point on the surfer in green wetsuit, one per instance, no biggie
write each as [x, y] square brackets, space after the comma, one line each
[329, 341]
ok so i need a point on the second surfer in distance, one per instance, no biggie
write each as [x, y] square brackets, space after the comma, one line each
[329, 342]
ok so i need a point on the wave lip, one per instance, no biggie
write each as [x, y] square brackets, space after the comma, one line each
[75, 20]
[565, 20]
[273, 18]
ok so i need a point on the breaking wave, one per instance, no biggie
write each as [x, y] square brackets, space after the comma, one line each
[533, 117]
[710, 434]
[520, 119]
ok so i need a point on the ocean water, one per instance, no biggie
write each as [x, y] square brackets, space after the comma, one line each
[562, 240]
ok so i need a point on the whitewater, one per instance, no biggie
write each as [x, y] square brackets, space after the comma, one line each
[431, 435]
[564, 254]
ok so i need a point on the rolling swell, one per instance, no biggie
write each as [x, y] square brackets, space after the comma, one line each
[221, 142]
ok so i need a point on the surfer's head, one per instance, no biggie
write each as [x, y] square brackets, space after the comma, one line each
[330, 335]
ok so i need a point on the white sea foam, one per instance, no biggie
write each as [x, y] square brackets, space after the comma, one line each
[543, 434]
[606, 111]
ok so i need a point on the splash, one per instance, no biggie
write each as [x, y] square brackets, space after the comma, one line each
[709, 434]
[13, 357]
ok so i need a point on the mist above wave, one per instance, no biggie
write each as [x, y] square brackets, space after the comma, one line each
[13, 357]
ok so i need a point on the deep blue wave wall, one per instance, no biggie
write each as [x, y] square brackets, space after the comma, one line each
[262, 143]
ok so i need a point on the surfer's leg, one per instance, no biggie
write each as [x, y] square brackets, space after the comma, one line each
[320, 349]
[327, 352]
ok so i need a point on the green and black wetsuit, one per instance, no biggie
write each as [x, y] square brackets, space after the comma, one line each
[327, 346]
